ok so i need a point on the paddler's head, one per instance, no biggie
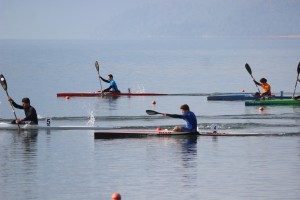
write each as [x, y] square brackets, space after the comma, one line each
[184, 108]
[263, 80]
[110, 77]
[25, 102]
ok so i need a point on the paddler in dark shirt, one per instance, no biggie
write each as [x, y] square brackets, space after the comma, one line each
[30, 112]
[112, 84]
[188, 116]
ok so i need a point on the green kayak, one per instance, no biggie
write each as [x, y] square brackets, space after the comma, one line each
[272, 102]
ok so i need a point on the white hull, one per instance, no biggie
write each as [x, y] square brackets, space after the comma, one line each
[7, 126]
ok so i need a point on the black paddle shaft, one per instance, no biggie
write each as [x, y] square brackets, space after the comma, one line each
[298, 72]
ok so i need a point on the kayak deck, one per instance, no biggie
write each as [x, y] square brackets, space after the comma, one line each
[273, 102]
[98, 94]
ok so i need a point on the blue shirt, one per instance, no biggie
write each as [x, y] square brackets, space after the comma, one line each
[191, 121]
[113, 85]
[190, 118]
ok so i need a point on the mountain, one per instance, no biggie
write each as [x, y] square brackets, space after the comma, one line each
[199, 18]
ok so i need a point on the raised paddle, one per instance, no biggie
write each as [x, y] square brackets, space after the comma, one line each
[298, 72]
[152, 112]
[247, 66]
[97, 68]
[4, 85]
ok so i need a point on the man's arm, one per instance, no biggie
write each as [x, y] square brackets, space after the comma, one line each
[107, 81]
[257, 83]
[107, 89]
[174, 116]
[16, 105]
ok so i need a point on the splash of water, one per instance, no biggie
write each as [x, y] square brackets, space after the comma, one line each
[140, 89]
[91, 121]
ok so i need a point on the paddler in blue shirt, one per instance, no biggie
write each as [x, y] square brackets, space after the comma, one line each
[188, 116]
[112, 84]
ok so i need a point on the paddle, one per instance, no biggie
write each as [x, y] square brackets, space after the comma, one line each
[298, 71]
[4, 85]
[97, 68]
[152, 112]
[247, 66]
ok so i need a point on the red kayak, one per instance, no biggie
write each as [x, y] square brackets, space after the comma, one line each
[97, 94]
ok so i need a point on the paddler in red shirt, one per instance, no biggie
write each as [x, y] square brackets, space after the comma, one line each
[265, 86]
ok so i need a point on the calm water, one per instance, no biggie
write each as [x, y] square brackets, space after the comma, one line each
[72, 165]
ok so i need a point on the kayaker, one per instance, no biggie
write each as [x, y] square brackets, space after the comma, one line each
[112, 84]
[30, 112]
[188, 116]
[265, 86]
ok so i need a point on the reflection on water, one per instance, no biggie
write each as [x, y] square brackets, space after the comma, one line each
[22, 153]
[189, 161]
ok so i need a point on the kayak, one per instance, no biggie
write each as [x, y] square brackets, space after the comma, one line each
[273, 102]
[97, 94]
[8, 126]
[230, 134]
[136, 133]
[111, 134]
[240, 97]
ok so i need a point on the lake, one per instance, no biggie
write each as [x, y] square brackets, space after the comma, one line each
[71, 164]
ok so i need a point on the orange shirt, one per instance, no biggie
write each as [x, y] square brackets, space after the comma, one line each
[266, 88]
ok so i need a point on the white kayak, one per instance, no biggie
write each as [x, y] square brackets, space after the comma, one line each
[231, 134]
[8, 126]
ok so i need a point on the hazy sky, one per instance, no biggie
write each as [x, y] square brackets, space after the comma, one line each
[116, 19]
[57, 19]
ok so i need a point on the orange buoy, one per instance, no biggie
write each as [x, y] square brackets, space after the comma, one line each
[116, 196]
[158, 129]
[153, 102]
[67, 97]
[242, 90]
[261, 108]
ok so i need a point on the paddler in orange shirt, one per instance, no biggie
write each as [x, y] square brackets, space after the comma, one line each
[265, 86]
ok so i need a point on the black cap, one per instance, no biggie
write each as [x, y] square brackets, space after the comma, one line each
[26, 100]
[263, 80]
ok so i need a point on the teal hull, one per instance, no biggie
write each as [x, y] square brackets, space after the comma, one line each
[272, 102]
